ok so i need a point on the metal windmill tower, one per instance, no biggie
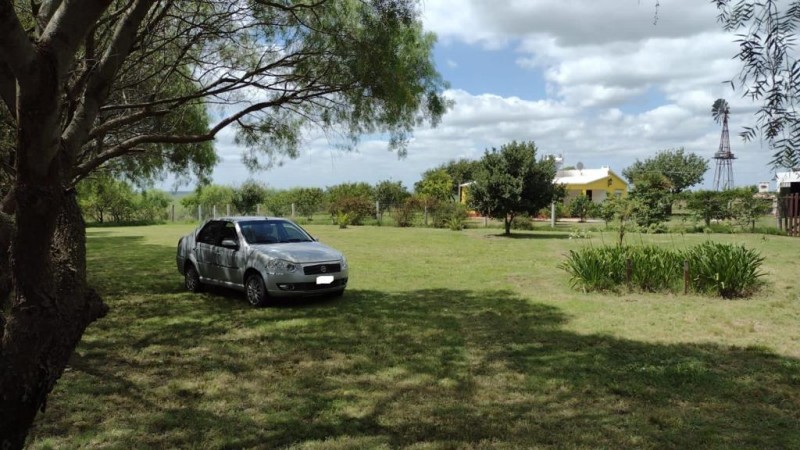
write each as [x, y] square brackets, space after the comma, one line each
[723, 172]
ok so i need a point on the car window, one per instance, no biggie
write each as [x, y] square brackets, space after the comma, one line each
[272, 232]
[259, 232]
[290, 233]
[228, 232]
[210, 233]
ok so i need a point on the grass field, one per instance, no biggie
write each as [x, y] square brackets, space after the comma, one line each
[443, 340]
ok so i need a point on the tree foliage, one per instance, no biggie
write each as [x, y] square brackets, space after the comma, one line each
[740, 204]
[435, 185]
[390, 194]
[104, 199]
[460, 171]
[360, 189]
[510, 182]
[248, 196]
[708, 206]
[307, 201]
[582, 207]
[652, 199]
[766, 32]
[681, 169]
[620, 210]
[208, 196]
[278, 203]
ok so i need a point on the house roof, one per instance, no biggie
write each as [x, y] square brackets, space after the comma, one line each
[584, 176]
[787, 177]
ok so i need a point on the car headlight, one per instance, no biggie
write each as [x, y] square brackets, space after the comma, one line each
[344, 263]
[280, 266]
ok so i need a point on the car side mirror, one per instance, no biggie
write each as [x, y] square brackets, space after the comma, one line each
[230, 243]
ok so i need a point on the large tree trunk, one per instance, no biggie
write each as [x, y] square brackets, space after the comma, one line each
[51, 308]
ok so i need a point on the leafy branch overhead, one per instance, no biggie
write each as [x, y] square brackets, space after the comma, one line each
[770, 72]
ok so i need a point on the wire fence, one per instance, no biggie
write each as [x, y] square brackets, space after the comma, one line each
[391, 214]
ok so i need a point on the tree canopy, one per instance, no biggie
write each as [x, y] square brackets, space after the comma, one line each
[460, 171]
[683, 170]
[435, 185]
[510, 181]
[140, 88]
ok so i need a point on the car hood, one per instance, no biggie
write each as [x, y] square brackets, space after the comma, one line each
[299, 252]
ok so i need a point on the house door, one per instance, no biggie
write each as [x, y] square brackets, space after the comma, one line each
[589, 194]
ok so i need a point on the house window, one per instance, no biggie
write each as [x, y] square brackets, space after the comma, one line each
[618, 193]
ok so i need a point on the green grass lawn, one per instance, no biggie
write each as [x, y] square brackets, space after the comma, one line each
[443, 340]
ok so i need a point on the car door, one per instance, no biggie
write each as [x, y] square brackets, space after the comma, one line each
[205, 249]
[228, 269]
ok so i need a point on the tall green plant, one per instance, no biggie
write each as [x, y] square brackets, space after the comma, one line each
[722, 269]
[728, 270]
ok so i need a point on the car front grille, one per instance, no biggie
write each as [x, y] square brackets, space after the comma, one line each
[318, 269]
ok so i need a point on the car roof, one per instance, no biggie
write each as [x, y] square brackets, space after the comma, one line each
[249, 218]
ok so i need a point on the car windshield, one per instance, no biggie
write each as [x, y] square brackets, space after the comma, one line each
[272, 232]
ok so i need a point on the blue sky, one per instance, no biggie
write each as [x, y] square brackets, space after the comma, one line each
[594, 80]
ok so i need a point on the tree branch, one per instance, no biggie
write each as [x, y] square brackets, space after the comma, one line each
[45, 12]
[123, 148]
[16, 50]
[8, 88]
[67, 29]
[101, 79]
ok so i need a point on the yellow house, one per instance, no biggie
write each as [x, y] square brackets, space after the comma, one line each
[597, 184]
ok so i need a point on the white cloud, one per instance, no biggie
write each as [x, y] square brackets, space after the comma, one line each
[618, 88]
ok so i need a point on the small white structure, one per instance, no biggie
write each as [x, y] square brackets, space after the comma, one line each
[763, 187]
[785, 180]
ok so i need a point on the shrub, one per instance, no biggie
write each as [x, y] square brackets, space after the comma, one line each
[343, 220]
[728, 270]
[356, 208]
[456, 223]
[404, 214]
[656, 228]
[522, 222]
[448, 212]
[582, 207]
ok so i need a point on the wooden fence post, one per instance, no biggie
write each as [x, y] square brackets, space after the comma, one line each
[686, 277]
[628, 271]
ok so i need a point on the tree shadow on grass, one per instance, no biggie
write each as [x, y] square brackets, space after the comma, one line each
[450, 368]
[125, 265]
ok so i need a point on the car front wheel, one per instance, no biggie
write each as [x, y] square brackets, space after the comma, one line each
[256, 291]
[191, 279]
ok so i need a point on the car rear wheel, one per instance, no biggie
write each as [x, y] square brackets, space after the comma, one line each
[191, 279]
[255, 290]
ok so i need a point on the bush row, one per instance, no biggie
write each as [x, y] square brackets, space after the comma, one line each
[725, 270]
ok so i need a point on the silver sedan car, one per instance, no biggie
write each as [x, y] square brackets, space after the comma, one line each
[262, 256]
